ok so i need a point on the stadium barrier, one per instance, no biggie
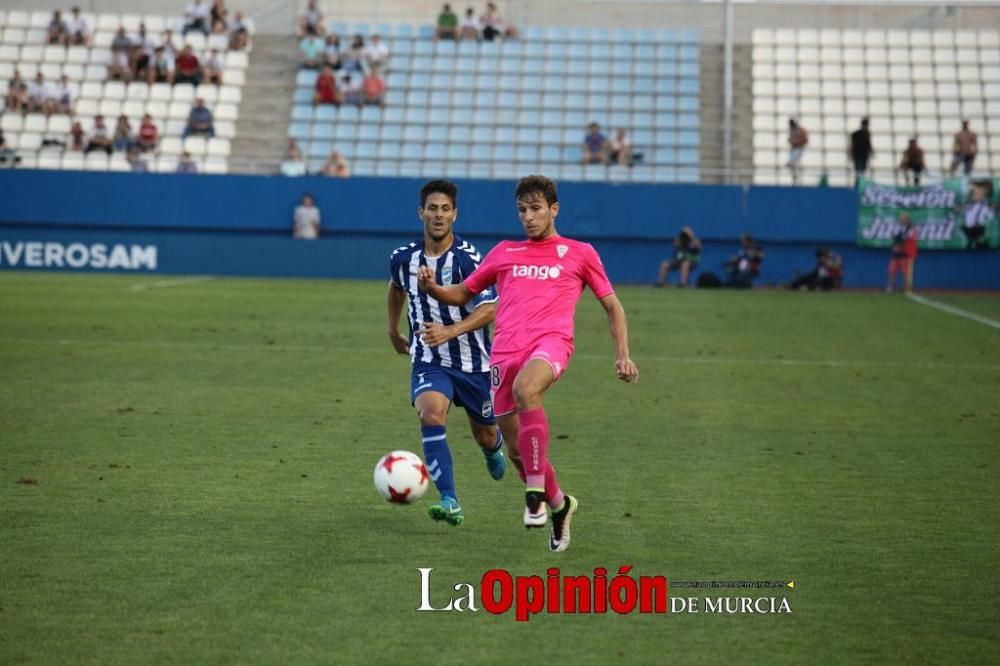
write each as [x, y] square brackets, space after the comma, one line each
[240, 225]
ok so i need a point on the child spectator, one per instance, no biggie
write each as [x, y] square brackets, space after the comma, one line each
[197, 17]
[351, 88]
[687, 252]
[200, 120]
[38, 93]
[143, 51]
[213, 68]
[447, 24]
[471, 28]
[621, 148]
[187, 67]
[76, 137]
[78, 30]
[373, 88]
[100, 137]
[123, 138]
[17, 93]
[162, 70]
[326, 91]
[186, 164]
[904, 254]
[311, 22]
[63, 94]
[148, 135]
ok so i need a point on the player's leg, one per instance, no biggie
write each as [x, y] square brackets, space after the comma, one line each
[908, 276]
[507, 425]
[432, 392]
[891, 276]
[490, 439]
[472, 391]
[685, 272]
[665, 267]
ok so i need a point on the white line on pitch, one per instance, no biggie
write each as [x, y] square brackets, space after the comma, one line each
[164, 284]
[951, 309]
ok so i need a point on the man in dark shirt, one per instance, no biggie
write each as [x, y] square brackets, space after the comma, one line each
[861, 149]
[913, 163]
[200, 120]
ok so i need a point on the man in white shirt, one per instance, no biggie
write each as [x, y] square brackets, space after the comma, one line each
[38, 92]
[306, 220]
[196, 16]
[61, 97]
[376, 52]
[77, 29]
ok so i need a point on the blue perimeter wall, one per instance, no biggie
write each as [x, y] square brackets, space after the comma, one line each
[240, 225]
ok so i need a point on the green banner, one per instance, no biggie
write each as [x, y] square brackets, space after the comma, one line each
[955, 215]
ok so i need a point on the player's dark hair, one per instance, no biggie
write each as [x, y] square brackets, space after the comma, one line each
[445, 187]
[530, 185]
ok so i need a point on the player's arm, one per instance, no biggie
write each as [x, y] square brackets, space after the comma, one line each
[627, 370]
[396, 299]
[455, 294]
[434, 334]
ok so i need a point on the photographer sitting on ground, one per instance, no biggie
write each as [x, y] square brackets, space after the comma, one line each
[828, 274]
[744, 266]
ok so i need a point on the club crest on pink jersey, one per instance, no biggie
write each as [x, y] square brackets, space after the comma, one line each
[561, 250]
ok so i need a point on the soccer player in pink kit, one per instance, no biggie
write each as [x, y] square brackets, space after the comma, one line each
[539, 281]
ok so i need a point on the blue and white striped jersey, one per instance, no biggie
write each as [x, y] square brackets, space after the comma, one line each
[469, 352]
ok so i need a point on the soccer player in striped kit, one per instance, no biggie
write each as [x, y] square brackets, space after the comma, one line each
[449, 346]
[540, 281]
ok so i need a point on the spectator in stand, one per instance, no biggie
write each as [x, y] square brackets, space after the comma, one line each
[143, 52]
[904, 254]
[595, 146]
[57, 31]
[149, 135]
[121, 41]
[447, 24]
[100, 137]
[7, 154]
[912, 164]
[306, 220]
[123, 138]
[38, 93]
[687, 252]
[326, 91]
[965, 148]
[376, 53]
[861, 150]
[828, 273]
[62, 97]
[186, 164]
[470, 28]
[187, 67]
[798, 139]
[294, 164]
[351, 88]
[137, 161]
[162, 69]
[217, 17]
[17, 93]
[167, 42]
[200, 120]
[213, 68]
[621, 148]
[336, 166]
[744, 266]
[76, 137]
[78, 30]
[373, 88]
[312, 47]
[979, 212]
[197, 16]
[239, 33]
[120, 68]
[493, 25]
[331, 52]
[311, 23]
[354, 59]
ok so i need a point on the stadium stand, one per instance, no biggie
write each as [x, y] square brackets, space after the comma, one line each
[39, 140]
[493, 110]
[910, 83]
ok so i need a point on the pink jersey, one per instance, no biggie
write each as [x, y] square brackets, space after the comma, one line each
[539, 283]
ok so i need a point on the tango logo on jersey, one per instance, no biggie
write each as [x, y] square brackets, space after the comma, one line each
[537, 272]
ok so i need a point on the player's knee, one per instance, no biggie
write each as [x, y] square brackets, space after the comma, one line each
[526, 396]
[486, 439]
[433, 417]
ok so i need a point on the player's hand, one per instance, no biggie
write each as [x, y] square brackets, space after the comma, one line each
[399, 342]
[628, 372]
[425, 278]
[434, 334]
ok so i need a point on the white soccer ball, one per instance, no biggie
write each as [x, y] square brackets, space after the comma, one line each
[401, 477]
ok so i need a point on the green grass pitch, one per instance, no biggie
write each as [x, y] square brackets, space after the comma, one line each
[202, 458]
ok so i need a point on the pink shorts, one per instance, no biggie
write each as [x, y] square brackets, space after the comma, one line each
[504, 369]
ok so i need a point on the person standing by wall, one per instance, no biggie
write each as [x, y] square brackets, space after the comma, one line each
[306, 220]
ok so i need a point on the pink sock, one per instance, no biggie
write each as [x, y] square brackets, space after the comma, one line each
[533, 445]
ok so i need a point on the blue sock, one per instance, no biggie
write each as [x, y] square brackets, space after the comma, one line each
[438, 457]
[498, 445]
